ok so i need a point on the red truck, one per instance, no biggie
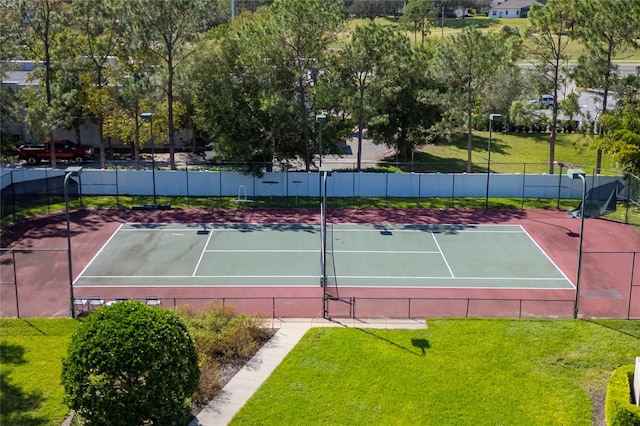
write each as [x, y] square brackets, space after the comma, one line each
[65, 150]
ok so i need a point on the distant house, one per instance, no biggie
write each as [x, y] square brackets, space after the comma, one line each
[510, 8]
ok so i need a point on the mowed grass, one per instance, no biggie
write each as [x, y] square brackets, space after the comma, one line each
[31, 352]
[513, 153]
[453, 26]
[456, 372]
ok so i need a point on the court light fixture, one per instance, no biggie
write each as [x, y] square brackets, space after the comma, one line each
[325, 173]
[75, 171]
[579, 174]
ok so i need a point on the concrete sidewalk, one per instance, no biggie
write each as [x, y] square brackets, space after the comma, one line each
[237, 392]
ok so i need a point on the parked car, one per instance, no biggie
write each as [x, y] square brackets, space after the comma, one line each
[544, 100]
[65, 150]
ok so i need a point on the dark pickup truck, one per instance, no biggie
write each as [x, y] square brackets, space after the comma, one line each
[65, 150]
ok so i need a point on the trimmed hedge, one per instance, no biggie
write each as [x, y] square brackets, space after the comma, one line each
[619, 411]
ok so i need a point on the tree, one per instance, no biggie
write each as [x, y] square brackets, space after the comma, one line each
[167, 29]
[548, 30]
[43, 21]
[233, 91]
[621, 137]
[101, 29]
[129, 364]
[406, 106]
[467, 64]
[297, 36]
[370, 56]
[604, 34]
[417, 16]
[372, 9]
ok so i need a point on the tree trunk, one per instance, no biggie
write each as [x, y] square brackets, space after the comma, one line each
[360, 128]
[172, 157]
[469, 141]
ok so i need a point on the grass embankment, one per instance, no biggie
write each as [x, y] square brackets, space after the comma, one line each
[31, 351]
[475, 372]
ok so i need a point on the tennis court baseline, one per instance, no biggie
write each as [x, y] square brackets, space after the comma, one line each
[256, 255]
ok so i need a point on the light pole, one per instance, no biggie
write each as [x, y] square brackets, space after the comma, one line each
[492, 117]
[320, 119]
[324, 174]
[148, 116]
[70, 171]
[579, 174]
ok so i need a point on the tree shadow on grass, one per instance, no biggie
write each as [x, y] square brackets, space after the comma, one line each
[17, 405]
[11, 354]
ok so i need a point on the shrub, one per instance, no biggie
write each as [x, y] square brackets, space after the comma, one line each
[225, 340]
[619, 411]
[130, 364]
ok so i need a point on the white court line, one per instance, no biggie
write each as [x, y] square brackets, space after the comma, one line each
[204, 250]
[386, 277]
[99, 251]
[435, 240]
[547, 256]
[393, 277]
[435, 287]
[199, 227]
[418, 230]
[261, 251]
[128, 277]
[316, 251]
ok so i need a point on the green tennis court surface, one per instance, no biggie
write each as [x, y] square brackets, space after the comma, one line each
[460, 256]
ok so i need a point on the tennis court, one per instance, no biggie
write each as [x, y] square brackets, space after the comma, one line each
[288, 254]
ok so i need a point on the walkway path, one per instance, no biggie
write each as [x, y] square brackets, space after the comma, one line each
[240, 388]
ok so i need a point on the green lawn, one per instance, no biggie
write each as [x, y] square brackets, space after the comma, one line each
[456, 372]
[511, 151]
[453, 26]
[31, 352]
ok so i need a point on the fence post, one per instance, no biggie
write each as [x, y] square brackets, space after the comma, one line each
[46, 180]
[559, 186]
[13, 197]
[419, 188]
[220, 189]
[520, 310]
[15, 282]
[386, 189]
[186, 174]
[453, 189]
[117, 187]
[633, 266]
[524, 182]
[627, 178]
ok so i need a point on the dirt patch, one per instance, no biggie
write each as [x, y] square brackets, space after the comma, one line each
[597, 416]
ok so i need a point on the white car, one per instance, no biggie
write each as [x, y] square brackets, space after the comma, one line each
[546, 100]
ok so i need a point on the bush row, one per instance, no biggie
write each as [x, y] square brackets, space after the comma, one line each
[619, 409]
